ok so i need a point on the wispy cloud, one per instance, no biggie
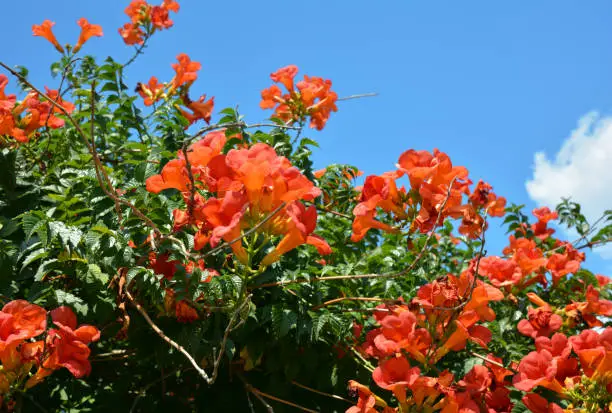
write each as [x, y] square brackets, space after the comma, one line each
[582, 170]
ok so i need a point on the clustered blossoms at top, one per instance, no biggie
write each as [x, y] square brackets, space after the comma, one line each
[22, 120]
[436, 192]
[185, 74]
[146, 19]
[27, 358]
[311, 97]
[246, 185]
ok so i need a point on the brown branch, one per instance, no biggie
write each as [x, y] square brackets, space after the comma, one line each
[333, 396]
[592, 244]
[365, 363]
[249, 389]
[495, 363]
[369, 299]
[112, 355]
[167, 339]
[362, 276]
[228, 330]
[258, 392]
[331, 211]
[365, 310]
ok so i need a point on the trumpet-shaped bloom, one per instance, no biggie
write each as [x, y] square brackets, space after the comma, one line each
[45, 30]
[88, 31]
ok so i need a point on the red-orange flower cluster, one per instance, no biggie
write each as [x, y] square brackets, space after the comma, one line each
[311, 97]
[248, 184]
[186, 72]
[21, 120]
[64, 346]
[146, 19]
[436, 191]
[555, 367]
[443, 317]
[528, 261]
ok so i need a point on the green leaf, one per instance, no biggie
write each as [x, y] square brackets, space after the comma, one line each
[68, 235]
[283, 320]
[71, 300]
[34, 256]
[95, 275]
[44, 268]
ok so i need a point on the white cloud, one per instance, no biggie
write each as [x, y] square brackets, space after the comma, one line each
[582, 170]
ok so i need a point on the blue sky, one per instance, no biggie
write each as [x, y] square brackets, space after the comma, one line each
[489, 82]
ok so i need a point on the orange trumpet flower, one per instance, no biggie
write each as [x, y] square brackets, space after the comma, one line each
[88, 30]
[45, 30]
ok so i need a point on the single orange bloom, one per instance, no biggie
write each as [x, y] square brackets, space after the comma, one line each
[301, 222]
[138, 11]
[68, 344]
[397, 375]
[319, 173]
[160, 16]
[202, 109]
[151, 92]
[88, 30]
[171, 5]
[270, 97]
[285, 76]
[186, 71]
[131, 34]
[185, 313]
[173, 175]
[45, 30]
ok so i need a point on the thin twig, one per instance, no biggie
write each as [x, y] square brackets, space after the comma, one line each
[488, 360]
[258, 392]
[365, 310]
[341, 299]
[331, 211]
[333, 396]
[228, 329]
[359, 96]
[139, 51]
[592, 244]
[248, 396]
[113, 355]
[365, 363]
[167, 339]
[263, 401]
